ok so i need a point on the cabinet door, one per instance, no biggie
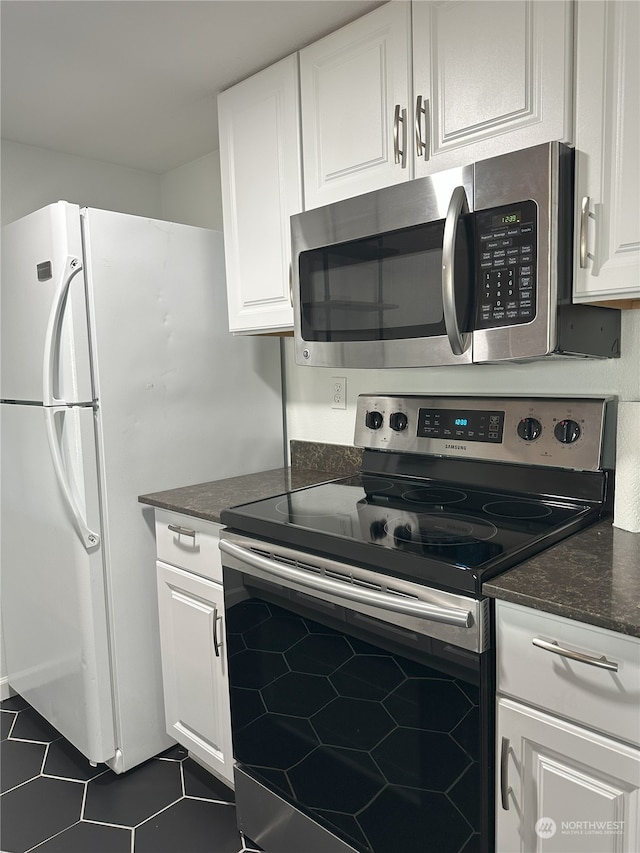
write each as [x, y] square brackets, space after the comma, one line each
[260, 173]
[493, 77]
[351, 83]
[607, 260]
[194, 666]
[566, 788]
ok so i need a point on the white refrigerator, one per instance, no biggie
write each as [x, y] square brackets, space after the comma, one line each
[118, 377]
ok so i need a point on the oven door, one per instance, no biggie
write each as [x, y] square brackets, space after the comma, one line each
[352, 732]
[387, 279]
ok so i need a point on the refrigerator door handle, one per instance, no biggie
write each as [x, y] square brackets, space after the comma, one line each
[89, 538]
[52, 335]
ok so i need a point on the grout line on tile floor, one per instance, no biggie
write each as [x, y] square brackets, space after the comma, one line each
[209, 800]
[84, 800]
[19, 785]
[15, 717]
[182, 783]
[55, 834]
[62, 778]
[155, 814]
[105, 823]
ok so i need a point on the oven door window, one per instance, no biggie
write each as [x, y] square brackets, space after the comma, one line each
[385, 287]
[378, 748]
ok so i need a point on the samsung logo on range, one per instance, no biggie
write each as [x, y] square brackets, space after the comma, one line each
[455, 446]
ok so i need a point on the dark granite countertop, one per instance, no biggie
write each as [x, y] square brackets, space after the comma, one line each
[593, 577]
[311, 463]
[207, 500]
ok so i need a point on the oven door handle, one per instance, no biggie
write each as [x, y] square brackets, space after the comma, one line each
[420, 609]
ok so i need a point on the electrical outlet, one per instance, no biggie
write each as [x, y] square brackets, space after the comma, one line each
[338, 392]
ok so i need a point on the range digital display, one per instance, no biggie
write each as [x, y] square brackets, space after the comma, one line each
[460, 425]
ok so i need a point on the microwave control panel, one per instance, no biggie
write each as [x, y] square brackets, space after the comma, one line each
[506, 265]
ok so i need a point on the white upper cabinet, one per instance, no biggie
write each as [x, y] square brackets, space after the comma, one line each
[490, 77]
[261, 189]
[411, 89]
[355, 91]
[607, 253]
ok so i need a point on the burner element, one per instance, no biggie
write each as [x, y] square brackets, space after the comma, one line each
[517, 509]
[434, 496]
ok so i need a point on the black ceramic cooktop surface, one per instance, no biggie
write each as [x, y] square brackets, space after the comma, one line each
[423, 530]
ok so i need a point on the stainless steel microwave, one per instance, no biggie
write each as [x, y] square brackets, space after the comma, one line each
[469, 265]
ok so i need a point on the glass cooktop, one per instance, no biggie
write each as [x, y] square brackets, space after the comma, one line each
[425, 531]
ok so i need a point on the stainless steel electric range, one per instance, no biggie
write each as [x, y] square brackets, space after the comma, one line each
[359, 644]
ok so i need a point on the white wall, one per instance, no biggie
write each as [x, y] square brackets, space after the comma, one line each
[311, 418]
[33, 177]
[191, 194]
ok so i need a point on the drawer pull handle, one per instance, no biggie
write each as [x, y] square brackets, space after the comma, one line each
[552, 646]
[505, 790]
[182, 531]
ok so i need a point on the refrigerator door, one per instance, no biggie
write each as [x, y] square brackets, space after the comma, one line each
[53, 595]
[181, 401]
[44, 311]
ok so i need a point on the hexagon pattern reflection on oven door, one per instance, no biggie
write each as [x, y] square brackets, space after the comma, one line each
[380, 749]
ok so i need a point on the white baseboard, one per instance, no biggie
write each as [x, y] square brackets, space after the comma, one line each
[5, 690]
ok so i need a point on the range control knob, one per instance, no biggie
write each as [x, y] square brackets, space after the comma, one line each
[373, 420]
[398, 421]
[529, 429]
[567, 431]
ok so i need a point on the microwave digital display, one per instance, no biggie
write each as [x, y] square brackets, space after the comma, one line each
[512, 217]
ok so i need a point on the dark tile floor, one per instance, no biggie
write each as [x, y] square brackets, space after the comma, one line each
[53, 801]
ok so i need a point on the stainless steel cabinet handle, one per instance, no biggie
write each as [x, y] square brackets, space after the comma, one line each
[182, 531]
[553, 647]
[216, 642]
[422, 145]
[400, 154]
[505, 790]
[584, 223]
[458, 205]
[321, 583]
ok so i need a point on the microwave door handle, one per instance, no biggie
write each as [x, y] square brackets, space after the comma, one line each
[459, 341]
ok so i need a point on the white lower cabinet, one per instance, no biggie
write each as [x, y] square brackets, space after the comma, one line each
[568, 736]
[192, 639]
[562, 787]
